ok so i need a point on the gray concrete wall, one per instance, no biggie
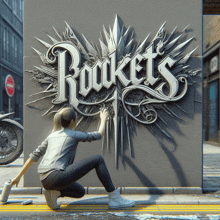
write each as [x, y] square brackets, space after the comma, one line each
[157, 161]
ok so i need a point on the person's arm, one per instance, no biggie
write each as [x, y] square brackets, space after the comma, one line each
[96, 135]
[104, 116]
[24, 169]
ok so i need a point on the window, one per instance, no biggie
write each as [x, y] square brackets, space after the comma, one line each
[20, 54]
[21, 10]
[6, 53]
[16, 51]
[13, 48]
[17, 7]
[8, 2]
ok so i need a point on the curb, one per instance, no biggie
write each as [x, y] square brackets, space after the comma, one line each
[211, 190]
[161, 190]
[125, 190]
[25, 190]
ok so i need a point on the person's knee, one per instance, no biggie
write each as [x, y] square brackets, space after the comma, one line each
[100, 158]
[81, 192]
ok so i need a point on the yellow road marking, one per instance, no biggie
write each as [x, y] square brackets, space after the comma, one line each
[104, 208]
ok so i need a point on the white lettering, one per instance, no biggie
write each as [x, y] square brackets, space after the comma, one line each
[104, 73]
[169, 77]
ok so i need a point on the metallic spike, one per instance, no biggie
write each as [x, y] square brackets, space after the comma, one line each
[41, 55]
[128, 134]
[111, 44]
[175, 54]
[104, 49]
[46, 70]
[107, 36]
[125, 36]
[167, 40]
[107, 134]
[101, 37]
[90, 47]
[185, 58]
[194, 73]
[116, 123]
[50, 71]
[116, 30]
[44, 43]
[159, 31]
[41, 98]
[129, 47]
[103, 143]
[168, 46]
[143, 45]
[133, 48]
[180, 46]
[132, 36]
[71, 31]
[99, 52]
[122, 135]
[53, 40]
[43, 92]
[165, 35]
[185, 28]
[51, 85]
[79, 121]
[57, 34]
[110, 129]
[74, 37]
[178, 69]
[120, 48]
[48, 110]
[122, 31]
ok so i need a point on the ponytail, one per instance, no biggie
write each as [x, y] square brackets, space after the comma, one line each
[57, 122]
[63, 118]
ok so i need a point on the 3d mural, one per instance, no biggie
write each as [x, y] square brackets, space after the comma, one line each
[135, 81]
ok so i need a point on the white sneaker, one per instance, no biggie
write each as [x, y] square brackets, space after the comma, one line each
[51, 197]
[118, 202]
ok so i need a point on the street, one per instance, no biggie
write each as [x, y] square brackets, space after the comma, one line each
[211, 173]
[107, 215]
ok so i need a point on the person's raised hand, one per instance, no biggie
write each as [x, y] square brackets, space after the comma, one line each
[104, 114]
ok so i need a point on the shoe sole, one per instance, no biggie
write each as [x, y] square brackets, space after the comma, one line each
[122, 206]
[47, 197]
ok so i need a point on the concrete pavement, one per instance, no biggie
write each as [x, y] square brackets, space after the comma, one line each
[211, 166]
[92, 199]
[166, 196]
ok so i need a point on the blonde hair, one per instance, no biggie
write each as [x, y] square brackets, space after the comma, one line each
[63, 118]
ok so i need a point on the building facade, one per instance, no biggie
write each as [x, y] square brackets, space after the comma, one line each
[211, 51]
[11, 57]
[211, 7]
[159, 154]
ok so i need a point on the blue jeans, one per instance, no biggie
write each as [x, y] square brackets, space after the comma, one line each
[65, 181]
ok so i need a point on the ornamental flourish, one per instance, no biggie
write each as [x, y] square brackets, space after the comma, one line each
[133, 80]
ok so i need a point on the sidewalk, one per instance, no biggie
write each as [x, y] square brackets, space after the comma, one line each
[101, 199]
[166, 196]
[211, 166]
